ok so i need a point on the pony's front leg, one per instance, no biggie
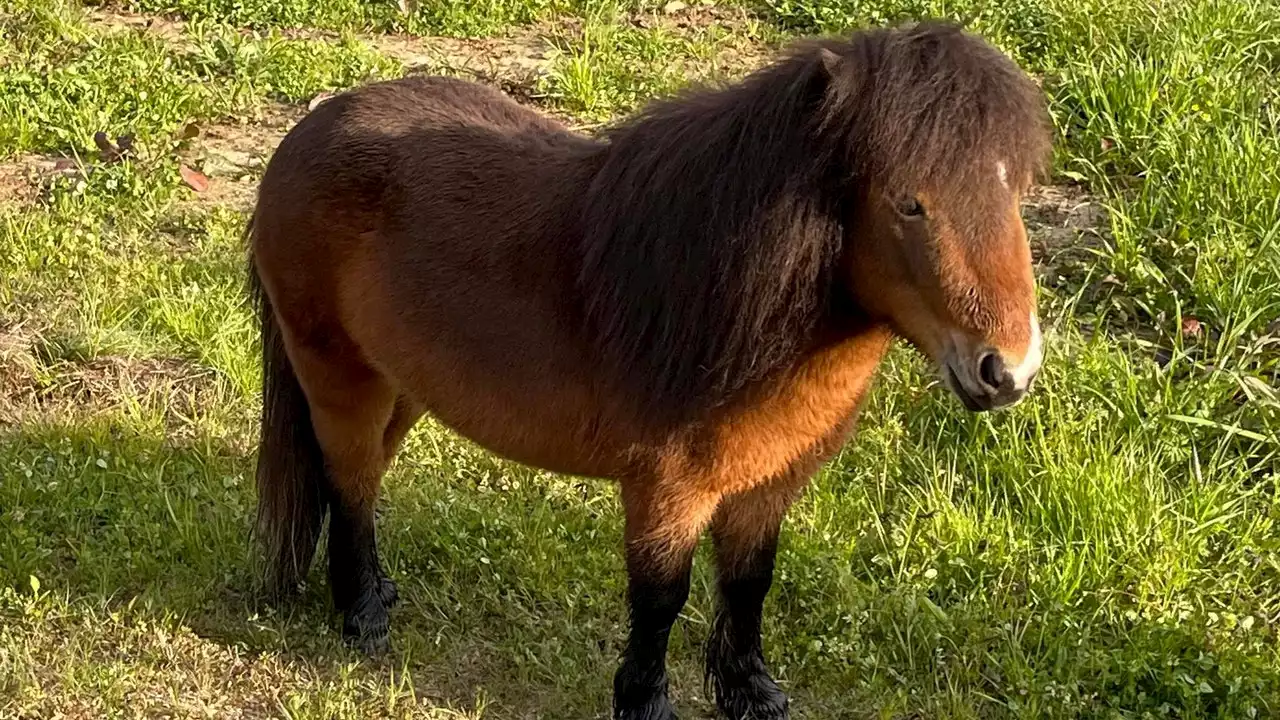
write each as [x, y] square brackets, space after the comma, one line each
[663, 525]
[745, 530]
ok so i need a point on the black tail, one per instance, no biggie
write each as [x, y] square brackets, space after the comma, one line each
[291, 474]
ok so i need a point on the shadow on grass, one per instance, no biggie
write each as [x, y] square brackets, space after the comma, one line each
[510, 590]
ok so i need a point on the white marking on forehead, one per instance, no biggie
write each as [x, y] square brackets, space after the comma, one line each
[1030, 365]
[1003, 173]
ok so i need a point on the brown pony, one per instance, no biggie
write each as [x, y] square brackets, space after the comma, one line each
[694, 304]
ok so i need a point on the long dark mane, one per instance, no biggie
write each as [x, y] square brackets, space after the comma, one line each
[714, 226]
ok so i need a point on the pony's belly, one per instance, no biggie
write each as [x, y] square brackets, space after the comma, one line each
[550, 426]
[550, 420]
[539, 442]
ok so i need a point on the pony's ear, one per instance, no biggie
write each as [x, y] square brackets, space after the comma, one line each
[839, 75]
[832, 62]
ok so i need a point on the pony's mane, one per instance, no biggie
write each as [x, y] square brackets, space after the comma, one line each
[714, 225]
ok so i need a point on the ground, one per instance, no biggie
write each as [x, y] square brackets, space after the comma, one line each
[1108, 549]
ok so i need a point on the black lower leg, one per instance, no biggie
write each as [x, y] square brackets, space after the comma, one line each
[735, 658]
[361, 590]
[640, 685]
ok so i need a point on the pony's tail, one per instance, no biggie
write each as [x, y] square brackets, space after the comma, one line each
[291, 468]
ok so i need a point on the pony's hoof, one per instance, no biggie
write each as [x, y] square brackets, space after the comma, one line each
[657, 707]
[639, 695]
[372, 645]
[754, 697]
[742, 686]
[367, 626]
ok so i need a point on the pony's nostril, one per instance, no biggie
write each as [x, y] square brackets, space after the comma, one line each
[991, 371]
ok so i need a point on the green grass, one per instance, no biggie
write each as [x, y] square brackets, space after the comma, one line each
[62, 81]
[462, 18]
[1109, 549]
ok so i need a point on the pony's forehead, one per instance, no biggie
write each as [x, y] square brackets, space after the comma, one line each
[994, 177]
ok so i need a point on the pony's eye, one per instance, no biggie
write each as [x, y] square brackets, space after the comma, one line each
[910, 207]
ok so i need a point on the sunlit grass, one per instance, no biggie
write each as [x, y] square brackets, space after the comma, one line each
[1108, 549]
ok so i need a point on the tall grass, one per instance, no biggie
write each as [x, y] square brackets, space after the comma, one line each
[1109, 549]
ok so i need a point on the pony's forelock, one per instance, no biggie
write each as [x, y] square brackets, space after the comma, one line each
[932, 104]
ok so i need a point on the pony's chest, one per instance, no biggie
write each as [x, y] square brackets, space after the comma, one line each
[808, 413]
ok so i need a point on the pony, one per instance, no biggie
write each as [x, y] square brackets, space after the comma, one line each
[692, 303]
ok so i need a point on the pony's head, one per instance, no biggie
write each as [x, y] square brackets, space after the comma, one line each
[946, 134]
[725, 228]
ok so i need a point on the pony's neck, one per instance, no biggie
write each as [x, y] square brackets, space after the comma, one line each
[711, 232]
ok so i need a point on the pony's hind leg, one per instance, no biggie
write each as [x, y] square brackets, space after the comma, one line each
[354, 414]
[403, 418]
[663, 526]
[745, 530]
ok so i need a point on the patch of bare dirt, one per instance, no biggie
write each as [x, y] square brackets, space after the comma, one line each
[695, 15]
[231, 156]
[512, 62]
[1060, 212]
[734, 30]
[30, 386]
[105, 380]
[742, 57]
[27, 177]
[16, 183]
[168, 29]
[1066, 227]
[18, 362]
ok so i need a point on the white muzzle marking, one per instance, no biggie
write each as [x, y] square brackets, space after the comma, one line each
[1024, 371]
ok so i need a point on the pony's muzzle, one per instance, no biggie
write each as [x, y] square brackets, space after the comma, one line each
[986, 384]
[990, 379]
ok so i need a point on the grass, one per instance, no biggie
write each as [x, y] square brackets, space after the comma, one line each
[1109, 549]
[460, 18]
